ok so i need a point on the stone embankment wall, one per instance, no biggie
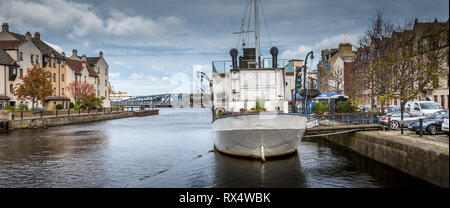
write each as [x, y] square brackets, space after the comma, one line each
[64, 120]
[415, 156]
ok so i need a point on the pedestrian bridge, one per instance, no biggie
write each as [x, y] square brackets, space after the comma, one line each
[166, 100]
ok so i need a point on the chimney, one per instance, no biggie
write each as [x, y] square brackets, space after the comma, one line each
[345, 47]
[64, 54]
[5, 27]
[28, 36]
[74, 53]
[83, 57]
[435, 20]
[37, 35]
[100, 54]
[274, 53]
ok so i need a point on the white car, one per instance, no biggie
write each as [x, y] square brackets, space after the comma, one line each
[422, 108]
[445, 125]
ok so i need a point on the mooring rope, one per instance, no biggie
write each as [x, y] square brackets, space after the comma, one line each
[321, 135]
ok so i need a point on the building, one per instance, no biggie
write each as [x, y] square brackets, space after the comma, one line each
[98, 68]
[427, 38]
[8, 72]
[25, 53]
[331, 72]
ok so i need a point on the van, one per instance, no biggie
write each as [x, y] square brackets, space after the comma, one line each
[422, 108]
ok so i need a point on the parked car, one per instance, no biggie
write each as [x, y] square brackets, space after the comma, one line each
[445, 125]
[396, 119]
[392, 108]
[422, 108]
[431, 124]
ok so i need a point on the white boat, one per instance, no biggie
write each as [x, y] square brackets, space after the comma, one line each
[245, 89]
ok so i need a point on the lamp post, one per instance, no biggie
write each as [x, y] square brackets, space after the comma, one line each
[304, 78]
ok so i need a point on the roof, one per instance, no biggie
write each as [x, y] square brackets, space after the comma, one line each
[56, 98]
[92, 60]
[5, 58]
[77, 67]
[9, 44]
[41, 45]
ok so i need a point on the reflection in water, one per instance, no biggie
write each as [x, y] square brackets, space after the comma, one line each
[172, 149]
[238, 172]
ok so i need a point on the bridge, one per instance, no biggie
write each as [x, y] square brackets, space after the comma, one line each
[181, 100]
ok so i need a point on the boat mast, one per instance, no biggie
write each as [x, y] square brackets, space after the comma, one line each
[256, 34]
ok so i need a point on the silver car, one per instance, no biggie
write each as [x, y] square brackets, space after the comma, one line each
[396, 119]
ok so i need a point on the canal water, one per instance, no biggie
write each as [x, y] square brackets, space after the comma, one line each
[173, 149]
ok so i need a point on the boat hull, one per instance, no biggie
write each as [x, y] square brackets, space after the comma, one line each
[259, 135]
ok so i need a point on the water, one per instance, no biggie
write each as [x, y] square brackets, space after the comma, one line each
[173, 149]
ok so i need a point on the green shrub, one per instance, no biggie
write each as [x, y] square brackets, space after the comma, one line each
[22, 107]
[10, 108]
[319, 108]
[71, 105]
[345, 107]
[76, 107]
[59, 106]
[35, 110]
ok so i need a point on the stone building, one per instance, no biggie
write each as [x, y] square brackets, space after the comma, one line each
[98, 69]
[331, 72]
[420, 34]
[8, 71]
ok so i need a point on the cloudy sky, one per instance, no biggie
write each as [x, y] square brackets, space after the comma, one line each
[151, 46]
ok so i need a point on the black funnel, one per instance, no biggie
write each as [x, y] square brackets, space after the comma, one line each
[234, 53]
[274, 52]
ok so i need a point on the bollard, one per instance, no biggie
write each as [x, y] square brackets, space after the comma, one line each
[89, 109]
[12, 116]
[41, 114]
[96, 110]
[420, 127]
[21, 115]
[389, 124]
[79, 111]
[57, 112]
[68, 112]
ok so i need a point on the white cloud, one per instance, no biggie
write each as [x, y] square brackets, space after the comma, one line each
[114, 75]
[122, 25]
[165, 78]
[56, 47]
[137, 76]
[153, 79]
[296, 52]
[81, 19]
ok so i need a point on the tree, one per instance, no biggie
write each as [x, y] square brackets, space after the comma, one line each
[81, 91]
[35, 86]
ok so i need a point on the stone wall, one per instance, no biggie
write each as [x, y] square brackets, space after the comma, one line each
[425, 161]
[64, 120]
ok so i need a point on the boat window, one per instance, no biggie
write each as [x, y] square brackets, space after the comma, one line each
[430, 106]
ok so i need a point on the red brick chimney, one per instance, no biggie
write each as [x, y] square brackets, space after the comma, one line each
[37, 35]
[28, 36]
[100, 54]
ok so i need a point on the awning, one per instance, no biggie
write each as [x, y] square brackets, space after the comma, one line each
[3, 97]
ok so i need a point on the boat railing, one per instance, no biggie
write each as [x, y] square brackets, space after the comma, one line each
[222, 67]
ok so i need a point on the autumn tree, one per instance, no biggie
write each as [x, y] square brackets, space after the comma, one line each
[81, 91]
[35, 86]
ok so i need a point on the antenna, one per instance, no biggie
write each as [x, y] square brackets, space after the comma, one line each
[242, 32]
[256, 34]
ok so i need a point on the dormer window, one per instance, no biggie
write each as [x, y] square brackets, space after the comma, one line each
[21, 56]
[32, 58]
[37, 59]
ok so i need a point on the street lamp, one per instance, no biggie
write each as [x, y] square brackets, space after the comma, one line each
[297, 79]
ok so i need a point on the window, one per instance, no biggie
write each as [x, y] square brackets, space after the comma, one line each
[106, 82]
[443, 101]
[54, 77]
[54, 91]
[106, 72]
[106, 94]
[21, 72]
[11, 86]
[62, 77]
[37, 59]
[21, 56]
[62, 63]
[85, 78]
[62, 91]
[98, 70]
[416, 107]
[32, 58]
[435, 98]
[54, 63]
